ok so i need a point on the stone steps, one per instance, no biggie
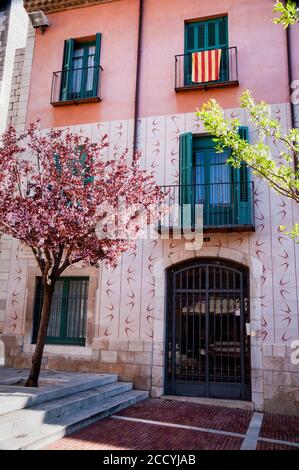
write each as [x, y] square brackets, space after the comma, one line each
[23, 397]
[22, 422]
[37, 426]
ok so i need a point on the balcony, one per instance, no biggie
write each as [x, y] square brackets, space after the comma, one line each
[76, 86]
[218, 207]
[228, 71]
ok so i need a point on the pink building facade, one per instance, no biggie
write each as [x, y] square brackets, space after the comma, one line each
[218, 320]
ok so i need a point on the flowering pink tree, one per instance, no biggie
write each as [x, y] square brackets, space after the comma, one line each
[62, 199]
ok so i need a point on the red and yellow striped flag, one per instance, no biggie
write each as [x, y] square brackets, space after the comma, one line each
[206, 66]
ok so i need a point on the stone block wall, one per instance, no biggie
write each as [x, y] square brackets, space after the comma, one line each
[281, 380]
[14, 101]
[139, 361]
[5, 253]
[21, 83]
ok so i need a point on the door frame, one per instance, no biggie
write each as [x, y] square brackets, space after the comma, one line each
[240, 390]
[184, 252]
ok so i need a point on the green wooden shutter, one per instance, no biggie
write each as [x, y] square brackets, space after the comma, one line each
[88, 178]
[206, 35]
[57, 163]
[186, 167]
[186, 188]
[244, 133]
[97, 64]
[243, 188]
[67, 66]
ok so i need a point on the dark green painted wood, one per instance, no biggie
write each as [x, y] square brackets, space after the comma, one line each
[186, 190]
[243, 187]
[207, 179]
[80, 82]
[206, 35]
[64, 309]
[60, 312]
[87, 177]
[97, 63]
[57, 163]
[67, 66]
[82, 158]
[208, 168]
[186, 142]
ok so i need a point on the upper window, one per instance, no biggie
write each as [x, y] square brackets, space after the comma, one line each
[205, 35]
[80, 75]
[209, 35]
[208, 60]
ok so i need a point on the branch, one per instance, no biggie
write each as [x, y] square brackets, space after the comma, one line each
[65, 264]
[278, 189]
[58, 258]
[40, 262]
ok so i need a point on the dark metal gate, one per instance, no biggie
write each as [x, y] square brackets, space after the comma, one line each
[208, 348]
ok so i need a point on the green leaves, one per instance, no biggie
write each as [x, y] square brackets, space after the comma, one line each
[289, 14]
[294, 233]
[273, 154]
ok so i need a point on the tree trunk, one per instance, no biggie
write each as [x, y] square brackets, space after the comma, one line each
[32, 380]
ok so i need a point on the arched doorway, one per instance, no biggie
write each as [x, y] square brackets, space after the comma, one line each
[207, 345]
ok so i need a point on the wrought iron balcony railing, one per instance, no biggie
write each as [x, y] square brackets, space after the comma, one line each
[75, 86]
[228, 74]
[213, 207]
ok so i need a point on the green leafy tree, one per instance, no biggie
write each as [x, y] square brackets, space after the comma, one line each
[288, 13]
[279, 170]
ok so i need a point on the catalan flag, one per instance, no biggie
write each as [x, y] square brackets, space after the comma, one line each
[206, 66]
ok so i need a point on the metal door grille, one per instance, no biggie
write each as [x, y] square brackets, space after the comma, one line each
[207, 345]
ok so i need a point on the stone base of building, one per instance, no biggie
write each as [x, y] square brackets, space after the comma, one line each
[281, 380]
[143, 363]
[139, 361]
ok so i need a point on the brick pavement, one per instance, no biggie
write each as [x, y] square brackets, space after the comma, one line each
[285, 428]
[192, 414]
[128, 434]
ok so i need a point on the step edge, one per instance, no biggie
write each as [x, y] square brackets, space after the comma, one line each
[40, 415]
[63, 391]
[79, 424]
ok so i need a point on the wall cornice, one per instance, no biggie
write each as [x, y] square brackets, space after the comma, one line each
[51, 6]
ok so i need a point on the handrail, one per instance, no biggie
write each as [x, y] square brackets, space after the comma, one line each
[203, 50]
[79, 68]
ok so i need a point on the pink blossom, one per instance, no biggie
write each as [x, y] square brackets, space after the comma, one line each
[51, 188]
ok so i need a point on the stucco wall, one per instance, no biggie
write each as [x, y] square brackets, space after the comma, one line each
[261, 56]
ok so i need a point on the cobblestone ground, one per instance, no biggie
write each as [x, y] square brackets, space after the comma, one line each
[171, 425]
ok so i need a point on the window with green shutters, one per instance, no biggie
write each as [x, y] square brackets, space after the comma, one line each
[80, 158]
[206, 35]
[67, 323]
[81, 62]
[206, 178]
